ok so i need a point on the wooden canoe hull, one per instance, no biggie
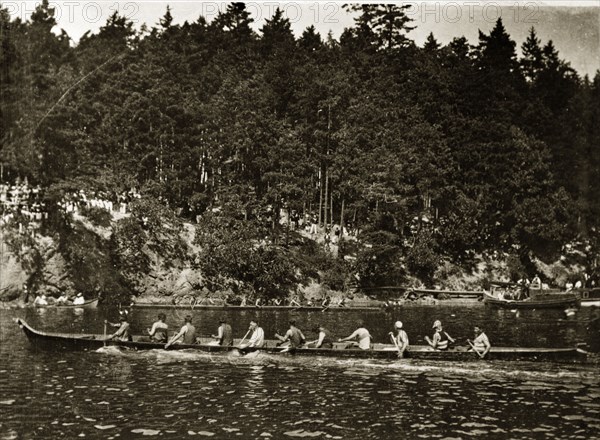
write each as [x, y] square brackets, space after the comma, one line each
[560, 301]
[86, 342]
[91, 304]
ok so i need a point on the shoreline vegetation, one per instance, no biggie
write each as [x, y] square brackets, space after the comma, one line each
[208, 157]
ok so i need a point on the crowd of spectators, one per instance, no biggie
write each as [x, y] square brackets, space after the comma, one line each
[23, 203]
[110, 201]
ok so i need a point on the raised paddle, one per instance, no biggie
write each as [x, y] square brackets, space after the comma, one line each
[474, 349]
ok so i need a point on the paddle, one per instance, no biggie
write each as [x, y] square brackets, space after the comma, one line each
[396, 344]
[244, 338]
[105, 322]
[481, 355]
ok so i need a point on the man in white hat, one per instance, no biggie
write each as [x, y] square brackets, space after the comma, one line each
[400, 339]
[440, 338]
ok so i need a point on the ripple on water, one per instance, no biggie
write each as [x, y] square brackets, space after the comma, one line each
[144, 431]
[303, 433]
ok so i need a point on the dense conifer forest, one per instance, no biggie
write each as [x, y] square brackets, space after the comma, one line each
[434, 153]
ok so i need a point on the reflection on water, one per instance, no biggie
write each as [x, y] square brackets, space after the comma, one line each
[125, 394]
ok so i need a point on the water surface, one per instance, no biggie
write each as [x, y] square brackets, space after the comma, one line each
[122, 394]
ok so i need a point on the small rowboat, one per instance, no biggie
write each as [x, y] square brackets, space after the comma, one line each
[91, 304]
[66, 341]
[549, 301]
[588, 297]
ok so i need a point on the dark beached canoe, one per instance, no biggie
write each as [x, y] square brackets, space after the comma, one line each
[54, 341]
[549, 301]
[91, 304]
[253, 307]
[451, 294]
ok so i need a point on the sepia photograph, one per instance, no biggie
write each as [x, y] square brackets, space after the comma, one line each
[303, 219]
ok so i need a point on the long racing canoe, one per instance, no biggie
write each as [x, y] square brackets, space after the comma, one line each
[70, 341]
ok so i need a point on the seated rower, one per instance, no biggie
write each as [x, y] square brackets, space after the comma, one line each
[159, 330]
[79, 299]
[293, 337]
[40, 300]
[187, 334]
[324, 341]
[277, 302]
[122, 334]
[440, 337]
[293, 302]
[258, 336]
[360, 337]
[62, 299]
[224, 336]
[400, 338]
[481, 343]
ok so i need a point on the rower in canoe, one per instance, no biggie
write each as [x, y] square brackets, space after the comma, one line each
[187, 334]
[440, 338]
[360, 338]
[293, 337]
[324, 340]
[400, 338]
[159, 330]
[224, 336]
[258, 336]
[481, 344]
[122, 334]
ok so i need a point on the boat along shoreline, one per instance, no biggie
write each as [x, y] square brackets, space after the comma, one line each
[85, 342]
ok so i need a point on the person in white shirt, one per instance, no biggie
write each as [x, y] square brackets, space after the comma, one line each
[79, 299]
[257, 339]
[40, 300]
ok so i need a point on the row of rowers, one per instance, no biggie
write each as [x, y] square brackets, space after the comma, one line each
[360, 338]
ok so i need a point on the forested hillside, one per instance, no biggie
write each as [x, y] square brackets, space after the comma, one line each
[434, 153]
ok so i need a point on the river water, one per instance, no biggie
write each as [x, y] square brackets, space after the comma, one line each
[119, 394]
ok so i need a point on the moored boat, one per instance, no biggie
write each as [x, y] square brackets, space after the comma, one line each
[91, 304]
[69, 341]
[588, 297]
[537, 301]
